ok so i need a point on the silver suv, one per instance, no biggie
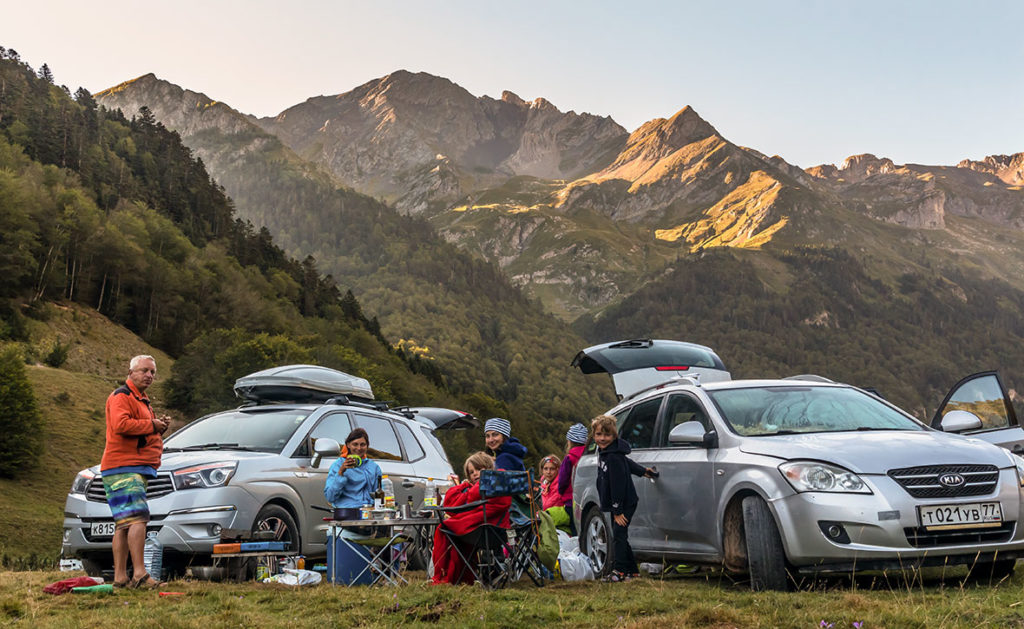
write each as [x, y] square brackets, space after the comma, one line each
[778, 478]
[262, 466]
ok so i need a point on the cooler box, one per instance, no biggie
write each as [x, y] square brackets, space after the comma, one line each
[344, 563]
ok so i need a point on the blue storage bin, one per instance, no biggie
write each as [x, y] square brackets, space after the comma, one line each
[344, 563]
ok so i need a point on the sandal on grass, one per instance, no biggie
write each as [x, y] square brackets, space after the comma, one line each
[145, 582]
[120, 584]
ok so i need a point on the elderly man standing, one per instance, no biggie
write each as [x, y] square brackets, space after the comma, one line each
[131, 457]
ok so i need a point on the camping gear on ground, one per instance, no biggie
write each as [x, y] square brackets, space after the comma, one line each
[103, 588]
[575, 566]
[65, 586]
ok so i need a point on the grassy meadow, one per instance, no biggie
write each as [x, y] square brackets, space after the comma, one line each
[709, 600]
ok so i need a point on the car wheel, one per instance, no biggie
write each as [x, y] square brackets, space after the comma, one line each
[93, 568]
[766, 559]
[596, 541]
[277, 519]
[992, 571]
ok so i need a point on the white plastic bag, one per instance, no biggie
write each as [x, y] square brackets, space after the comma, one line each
[567, 543]
[575, 566]
[295, 577]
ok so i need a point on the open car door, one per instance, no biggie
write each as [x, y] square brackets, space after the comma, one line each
[984, 395]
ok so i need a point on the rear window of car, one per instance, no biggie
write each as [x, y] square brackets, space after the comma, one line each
[617, 359]
[253, 429]
[766, 411]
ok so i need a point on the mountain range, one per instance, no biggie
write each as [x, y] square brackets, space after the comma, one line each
[587, 217]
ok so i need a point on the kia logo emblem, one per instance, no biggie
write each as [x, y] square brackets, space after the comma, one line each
[951, 480]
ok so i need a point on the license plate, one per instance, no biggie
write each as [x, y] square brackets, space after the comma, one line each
[962, 516]
[101, 529]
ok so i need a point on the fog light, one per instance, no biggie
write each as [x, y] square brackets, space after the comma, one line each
[215, 530]
[834, 531]
[67, 535]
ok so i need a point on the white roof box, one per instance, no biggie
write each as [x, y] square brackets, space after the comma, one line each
[301, 383]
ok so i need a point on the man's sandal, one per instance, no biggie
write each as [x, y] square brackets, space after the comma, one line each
[145, 582]
[120, 584]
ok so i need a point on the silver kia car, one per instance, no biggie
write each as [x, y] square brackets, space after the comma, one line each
[779, 478]
[263, 466]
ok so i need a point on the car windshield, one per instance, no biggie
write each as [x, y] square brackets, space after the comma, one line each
[241, 429]
[763, 411]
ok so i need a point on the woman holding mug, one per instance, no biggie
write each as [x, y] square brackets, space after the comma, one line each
[353, 478]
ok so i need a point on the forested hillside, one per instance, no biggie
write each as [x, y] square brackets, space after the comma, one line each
[818, 310]
[117, 215]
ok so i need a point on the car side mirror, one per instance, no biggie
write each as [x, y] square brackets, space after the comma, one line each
[325, 447]
[693, 432]
[959, 421]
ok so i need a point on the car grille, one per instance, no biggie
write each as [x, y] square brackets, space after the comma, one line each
[156, 487]
[923, 481]
[920, 538]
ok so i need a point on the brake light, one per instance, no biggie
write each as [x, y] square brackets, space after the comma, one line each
[672, 367]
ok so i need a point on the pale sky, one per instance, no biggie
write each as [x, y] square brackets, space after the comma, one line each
[928, 82]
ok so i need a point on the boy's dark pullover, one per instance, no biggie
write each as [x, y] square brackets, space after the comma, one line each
[614, 486]
[510, 456]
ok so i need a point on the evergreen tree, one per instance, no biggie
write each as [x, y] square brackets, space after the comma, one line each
[21, 439]
[45, 74]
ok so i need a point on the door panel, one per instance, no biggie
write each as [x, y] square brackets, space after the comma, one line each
[310, 481]
[637, 429]
[683, 497]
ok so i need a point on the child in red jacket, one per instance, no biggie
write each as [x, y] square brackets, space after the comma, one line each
[448, 566]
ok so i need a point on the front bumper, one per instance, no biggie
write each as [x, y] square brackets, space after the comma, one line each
[187, 522]
[878, 529]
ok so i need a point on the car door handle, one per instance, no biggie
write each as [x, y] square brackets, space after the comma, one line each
[408, 484]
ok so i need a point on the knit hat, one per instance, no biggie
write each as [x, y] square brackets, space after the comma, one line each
[577, 434]
[500, 425]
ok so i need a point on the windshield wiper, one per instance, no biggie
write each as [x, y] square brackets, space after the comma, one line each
[210, 446]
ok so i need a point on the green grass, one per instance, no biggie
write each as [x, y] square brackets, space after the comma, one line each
[697, 601]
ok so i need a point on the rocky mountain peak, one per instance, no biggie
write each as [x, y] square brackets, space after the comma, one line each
[859, 167]
[512, 98]
[1008, 168]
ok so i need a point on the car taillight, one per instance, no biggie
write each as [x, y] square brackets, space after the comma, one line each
[672, 367]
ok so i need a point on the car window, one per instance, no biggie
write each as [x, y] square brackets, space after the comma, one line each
[637, 429]
[678, 410]
[432, 438]
[266, 430]
[984, 397]
[383, 441]
[334, 426]
[765, 411]
[413, 449]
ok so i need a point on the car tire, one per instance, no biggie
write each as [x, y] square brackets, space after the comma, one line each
[596, 542]
[276, 518]
[766, 559]
[992, 571]
[94, 568]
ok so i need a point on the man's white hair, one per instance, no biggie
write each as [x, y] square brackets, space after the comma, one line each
[134, 364]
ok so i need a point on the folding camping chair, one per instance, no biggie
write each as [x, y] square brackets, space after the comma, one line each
[493, 554]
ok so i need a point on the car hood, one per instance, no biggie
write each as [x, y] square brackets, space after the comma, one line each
[878, 452]
[177, 460]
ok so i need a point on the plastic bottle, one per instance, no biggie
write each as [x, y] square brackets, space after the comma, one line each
[430, 494]
[301, 563]
[389, 492]
[153, 555]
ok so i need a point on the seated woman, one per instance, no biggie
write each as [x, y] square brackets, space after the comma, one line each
[448, 566]
[353, 478]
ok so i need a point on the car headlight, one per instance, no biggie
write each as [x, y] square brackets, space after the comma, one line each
[1018, 462]
[81, 483]
[814, 476]
[207, 475]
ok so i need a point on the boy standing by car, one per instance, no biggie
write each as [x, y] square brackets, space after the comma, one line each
[616, 492]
